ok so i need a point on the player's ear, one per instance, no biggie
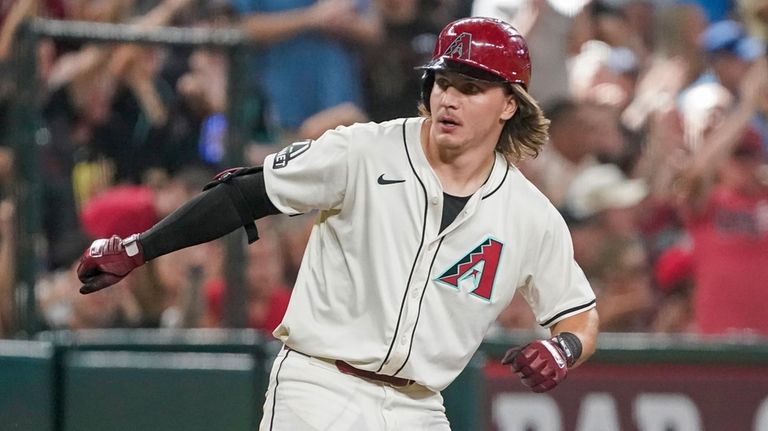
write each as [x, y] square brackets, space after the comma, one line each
[510, 107]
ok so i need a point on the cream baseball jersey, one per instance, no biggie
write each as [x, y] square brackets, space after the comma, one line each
[380, 287]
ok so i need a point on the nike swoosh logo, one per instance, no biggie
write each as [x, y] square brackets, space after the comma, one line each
[384, 182]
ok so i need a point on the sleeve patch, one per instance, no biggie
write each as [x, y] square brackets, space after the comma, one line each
[289, 153]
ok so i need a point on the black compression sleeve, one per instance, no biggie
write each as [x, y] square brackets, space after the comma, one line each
[205, 217]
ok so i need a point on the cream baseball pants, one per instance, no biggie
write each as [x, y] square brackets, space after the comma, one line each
[311, 394]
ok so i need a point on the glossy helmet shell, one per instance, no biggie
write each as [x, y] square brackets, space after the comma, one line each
[485, 48]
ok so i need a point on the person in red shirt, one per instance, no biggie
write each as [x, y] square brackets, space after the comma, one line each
[725, 208]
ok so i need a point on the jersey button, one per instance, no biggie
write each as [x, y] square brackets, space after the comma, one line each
[435, 200]
[403, 340]
[415, 293]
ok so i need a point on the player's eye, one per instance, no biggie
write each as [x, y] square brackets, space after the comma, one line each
[471, 88]
[443, 83]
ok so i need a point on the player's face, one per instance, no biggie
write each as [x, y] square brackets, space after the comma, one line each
[468, 111]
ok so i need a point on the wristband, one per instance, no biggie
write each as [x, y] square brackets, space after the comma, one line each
[571, 346]
[131, 245]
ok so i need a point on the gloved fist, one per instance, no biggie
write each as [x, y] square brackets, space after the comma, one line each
[107, 261]
[541, 364]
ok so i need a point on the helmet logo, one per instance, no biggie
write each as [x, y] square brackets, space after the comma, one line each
[460, 47]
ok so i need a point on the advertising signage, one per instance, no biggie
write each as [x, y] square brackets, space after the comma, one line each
[632, 397]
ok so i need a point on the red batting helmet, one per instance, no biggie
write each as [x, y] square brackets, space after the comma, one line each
[485, 48]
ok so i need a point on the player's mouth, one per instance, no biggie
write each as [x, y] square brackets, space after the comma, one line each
[447, 123]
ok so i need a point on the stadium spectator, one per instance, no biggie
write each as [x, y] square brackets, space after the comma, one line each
[601, 206]
[603, 75]
[676, 62]
[267, 291]
[578, 133]
[724, 200]
[654, 118]
[203, 89]
[623, 286]
[409, 32]
[731, 52]
[307, 64]
[184, 281]
[105, 117]
[608, 23]
[673, 276]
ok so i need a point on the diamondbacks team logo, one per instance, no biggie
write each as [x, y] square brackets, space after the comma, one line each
[476, 271]
[289, 153]
[460, 47]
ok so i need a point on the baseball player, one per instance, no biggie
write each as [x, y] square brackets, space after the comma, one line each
[426, 230]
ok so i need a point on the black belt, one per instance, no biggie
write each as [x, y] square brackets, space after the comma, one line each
[370, 375]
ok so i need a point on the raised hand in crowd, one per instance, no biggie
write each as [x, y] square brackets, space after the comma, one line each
[728, 132]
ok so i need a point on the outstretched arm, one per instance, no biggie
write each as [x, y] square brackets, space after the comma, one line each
[230, 203]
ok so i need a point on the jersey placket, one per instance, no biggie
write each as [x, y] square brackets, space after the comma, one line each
[420, 279]
[410, 313]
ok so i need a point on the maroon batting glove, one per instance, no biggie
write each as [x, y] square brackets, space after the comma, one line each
[541, 365]
[107, 261]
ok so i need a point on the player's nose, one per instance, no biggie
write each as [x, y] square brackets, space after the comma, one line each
[450, 97]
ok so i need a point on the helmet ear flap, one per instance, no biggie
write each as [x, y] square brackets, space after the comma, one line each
[427, 81]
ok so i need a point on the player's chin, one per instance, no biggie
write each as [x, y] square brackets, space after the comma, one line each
[450, 138]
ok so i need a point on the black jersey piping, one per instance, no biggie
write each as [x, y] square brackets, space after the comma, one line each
[506, 172]
[421, 300]
[418, 252]
[274, 392]
[564, 312]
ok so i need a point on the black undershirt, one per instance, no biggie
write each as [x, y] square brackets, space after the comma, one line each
[452, 206]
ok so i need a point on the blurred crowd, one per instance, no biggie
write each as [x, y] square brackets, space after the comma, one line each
[657, 153]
